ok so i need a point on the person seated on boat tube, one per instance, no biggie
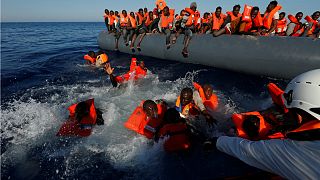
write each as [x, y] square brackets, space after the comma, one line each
[149, 21]
[102, 58]
[90, 57]
[248, 24]
[135, 72]
[295, 28]
[294, 156]
[131, 27]
[160, 5]
[313, 24]
[232, 16]
[146, 119]
[189, 104]
[270, 19]
[217, 21]
[140, 30]
[106, 19]
[82, 117]
[122, 29]
[281, 25]
[209, 99]
[166, 24]
[188, 27]
[112, 22]
[205, 23]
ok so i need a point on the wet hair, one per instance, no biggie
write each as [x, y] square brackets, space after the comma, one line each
[124, 11]
[205, 86]
[187, 90]
[282, 13]
[256, 8]
[236, 6]
[166, 8]
[140, 9]
[116, 12]
[219, 7]
[82, 110]
[100, 52]
[250, 126]
[148, 103]
[91, 53]
[171, 116]
[299, 13]
[106, 10]
[275, 3]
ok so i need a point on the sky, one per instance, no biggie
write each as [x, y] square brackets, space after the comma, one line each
[93, 10]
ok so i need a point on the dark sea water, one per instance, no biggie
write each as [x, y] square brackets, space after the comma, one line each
[43, 72]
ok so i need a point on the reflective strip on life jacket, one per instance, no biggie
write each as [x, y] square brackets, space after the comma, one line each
[314, 24]
[268, 17]
[189, 109]
[276, 94]
[281, 26]
[89, 58]
[123, 20]
[191, 18]
[161, 4]
[178, 139]
[167, 21]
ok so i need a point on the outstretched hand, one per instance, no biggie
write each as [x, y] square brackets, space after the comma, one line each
[108, 68]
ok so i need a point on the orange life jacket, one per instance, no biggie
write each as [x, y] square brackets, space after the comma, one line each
[140, 18]
[264, 127]
[83, 128]
[212, 103]
[233, 17]
[298, 29]
[217, 22]
[246, 17]
[311, 125]
[267, 17]
[204, 20]
[189, 109]
[148, 20]
[167, 21]
[137, 70]
[276, 94]
[161, 4]
[89, 58]
[191, 19]
[102, 59]
[178, 139]
[314, 24]
[140, 123]
[281, 26]
[111, 20]
[133, 22]
[123, 20]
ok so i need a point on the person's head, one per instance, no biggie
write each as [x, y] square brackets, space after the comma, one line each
[150, 108]
[100, 52]
[111, 13]
[171, 116]
[92, 54]
[106, 11]
[166, 11]
[282, 15]
[302, 93]
[254, 12]
[124, 13]
[186, 96]
[251, 126]
[299, 16]
[272, 5]
[145, 10]
[142, 65]
[132, 14]
[150, 14]
[116, 13]
[141, 11]
[316, 15]
[82, 110]
[155, 11]
[205, 15]
[182, 12]
[218, 11]
[193, 6]
[236, 9]
[207, 89]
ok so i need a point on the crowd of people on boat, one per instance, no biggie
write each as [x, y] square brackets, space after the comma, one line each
[165, 20]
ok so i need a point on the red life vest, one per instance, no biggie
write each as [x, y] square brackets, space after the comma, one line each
[140, 123]
[189, 109]
[167, 21]
[178, 139]
[160, 4]
[191, 19]
[217, 22]
[268, 16]
[211, 103]
[276, 94]
[111, 20]
[89, 58]
[123, 20]
[298, 29]
[233, 17]
[314, 24]
[134, 69]
[264, 127]
[204, 20]
[83, 128]
[281, 26]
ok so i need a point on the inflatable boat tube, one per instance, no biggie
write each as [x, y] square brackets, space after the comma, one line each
[281, 57]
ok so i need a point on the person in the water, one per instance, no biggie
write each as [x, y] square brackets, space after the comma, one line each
[137, 70]
[90, 57]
